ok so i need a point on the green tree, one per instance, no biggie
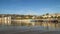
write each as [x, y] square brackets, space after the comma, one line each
[47, 13]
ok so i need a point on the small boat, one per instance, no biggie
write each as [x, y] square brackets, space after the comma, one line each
[54, 21]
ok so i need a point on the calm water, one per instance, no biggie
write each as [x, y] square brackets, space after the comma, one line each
[45, 26]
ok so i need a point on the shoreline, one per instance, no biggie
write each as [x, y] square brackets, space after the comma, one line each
[29, 32]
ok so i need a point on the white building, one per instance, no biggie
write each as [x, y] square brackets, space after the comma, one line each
[5, 20]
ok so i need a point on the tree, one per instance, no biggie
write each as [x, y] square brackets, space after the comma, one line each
[47, 13]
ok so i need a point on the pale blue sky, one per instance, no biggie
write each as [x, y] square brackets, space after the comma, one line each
[34, 7]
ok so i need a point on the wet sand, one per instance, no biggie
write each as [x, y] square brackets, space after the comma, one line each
[28, 32]
[51, 32]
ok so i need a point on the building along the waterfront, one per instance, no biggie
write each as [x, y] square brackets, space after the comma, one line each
[51, 16]
[5, 20]
[10, 18]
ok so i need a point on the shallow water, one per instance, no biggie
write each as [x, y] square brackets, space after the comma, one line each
[45, 26]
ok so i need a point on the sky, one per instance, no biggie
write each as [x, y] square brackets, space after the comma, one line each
[32, 7]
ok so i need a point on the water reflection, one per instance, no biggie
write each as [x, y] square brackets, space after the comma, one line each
[36, 25]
